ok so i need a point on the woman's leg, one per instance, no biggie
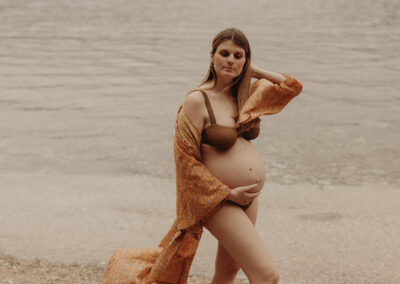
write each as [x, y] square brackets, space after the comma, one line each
[237, 234]
[226, 267]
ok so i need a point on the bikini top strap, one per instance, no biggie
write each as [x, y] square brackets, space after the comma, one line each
[209, 108]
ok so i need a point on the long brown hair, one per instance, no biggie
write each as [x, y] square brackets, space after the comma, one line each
[240, 88]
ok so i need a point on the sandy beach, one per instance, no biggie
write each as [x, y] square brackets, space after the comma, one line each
[338, 234]
[88, 96]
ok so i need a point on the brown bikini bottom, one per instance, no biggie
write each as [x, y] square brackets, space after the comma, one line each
[244, 207]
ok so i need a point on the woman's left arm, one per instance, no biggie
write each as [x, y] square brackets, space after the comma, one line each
[275, 78]
[268, 95]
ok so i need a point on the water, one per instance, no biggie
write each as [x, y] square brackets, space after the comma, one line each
[92, 87]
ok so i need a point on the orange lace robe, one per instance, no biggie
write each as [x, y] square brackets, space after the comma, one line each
[199, 194]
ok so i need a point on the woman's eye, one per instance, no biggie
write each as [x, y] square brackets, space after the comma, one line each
[238, 56]
[224, 54]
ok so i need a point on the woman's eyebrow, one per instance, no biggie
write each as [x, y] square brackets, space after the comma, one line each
[225, 50]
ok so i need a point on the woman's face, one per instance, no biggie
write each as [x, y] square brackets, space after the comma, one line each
[228, 60]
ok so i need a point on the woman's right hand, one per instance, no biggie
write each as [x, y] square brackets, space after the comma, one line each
[243, 195]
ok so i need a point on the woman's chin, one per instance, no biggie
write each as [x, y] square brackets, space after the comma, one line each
[227, 76]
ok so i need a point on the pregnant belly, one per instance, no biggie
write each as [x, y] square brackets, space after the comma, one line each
[239, 165]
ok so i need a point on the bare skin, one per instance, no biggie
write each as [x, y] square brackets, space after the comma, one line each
[226, 267]
[243, 247]
[239, 244]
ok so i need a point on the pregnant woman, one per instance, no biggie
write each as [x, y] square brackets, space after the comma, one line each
[219, 173]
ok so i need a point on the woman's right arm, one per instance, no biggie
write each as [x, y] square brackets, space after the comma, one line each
[194, 107]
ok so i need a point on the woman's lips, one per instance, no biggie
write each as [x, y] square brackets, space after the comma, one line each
[229, 68]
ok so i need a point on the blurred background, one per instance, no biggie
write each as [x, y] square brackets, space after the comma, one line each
[93, 86]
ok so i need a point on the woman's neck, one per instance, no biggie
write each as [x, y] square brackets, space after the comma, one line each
[222, 87]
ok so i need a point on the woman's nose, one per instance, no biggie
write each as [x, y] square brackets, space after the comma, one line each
[230, 59]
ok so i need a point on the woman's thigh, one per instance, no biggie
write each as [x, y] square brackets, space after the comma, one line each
[251, 212]
[224, 260]
[238, 236]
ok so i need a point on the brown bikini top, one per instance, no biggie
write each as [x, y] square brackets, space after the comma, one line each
[219, 136]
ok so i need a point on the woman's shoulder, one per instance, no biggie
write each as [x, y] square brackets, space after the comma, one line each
[194, 100]
[194, 107]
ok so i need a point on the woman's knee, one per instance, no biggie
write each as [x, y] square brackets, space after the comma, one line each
[266, 275]
[272, 276]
